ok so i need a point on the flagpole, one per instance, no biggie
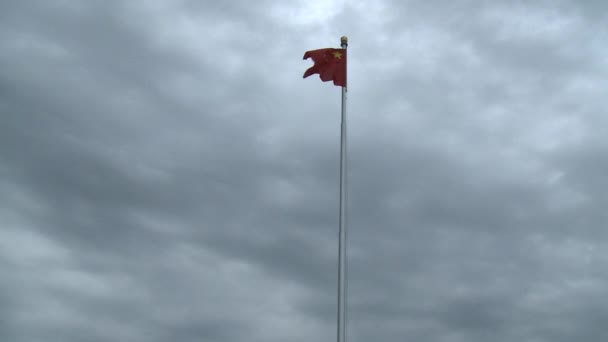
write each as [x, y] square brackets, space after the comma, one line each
[342, 219]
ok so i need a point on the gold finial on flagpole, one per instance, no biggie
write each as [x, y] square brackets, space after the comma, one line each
[344, 41]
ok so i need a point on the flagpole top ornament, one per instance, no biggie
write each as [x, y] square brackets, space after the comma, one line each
[344, 41]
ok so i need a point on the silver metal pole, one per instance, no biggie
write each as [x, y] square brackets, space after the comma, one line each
[342, 219]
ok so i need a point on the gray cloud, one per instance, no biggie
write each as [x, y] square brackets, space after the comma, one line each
[166, 174]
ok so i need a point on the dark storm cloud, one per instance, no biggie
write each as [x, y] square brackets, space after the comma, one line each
[168, 175]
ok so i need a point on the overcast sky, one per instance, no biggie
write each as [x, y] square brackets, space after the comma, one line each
[166, 174]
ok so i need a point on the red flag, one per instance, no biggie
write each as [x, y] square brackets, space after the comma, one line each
[330, 64]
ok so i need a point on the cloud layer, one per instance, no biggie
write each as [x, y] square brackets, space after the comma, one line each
[166, 174]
